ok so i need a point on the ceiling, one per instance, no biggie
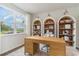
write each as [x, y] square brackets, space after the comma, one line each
[44, 7]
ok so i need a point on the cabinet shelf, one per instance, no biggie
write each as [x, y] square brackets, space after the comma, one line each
[65, 29]
[65, 23]
[66, 35]
[37, 30]
[48, 29]
[49, 24]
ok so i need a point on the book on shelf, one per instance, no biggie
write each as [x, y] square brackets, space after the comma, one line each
[50, 27]
[38, 27]
[67, 26]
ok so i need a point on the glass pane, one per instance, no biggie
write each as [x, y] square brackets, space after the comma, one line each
[6, 21]
[3, 12]
[20, 24]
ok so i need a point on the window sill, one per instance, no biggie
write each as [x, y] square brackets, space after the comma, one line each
[3, 35]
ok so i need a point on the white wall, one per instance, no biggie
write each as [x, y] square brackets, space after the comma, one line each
[12, 41]
[74, 11]
[77, 41]
[0, 44]
[28, 24]
[8, 42]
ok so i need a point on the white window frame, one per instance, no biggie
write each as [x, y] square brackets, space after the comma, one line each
[16, 23]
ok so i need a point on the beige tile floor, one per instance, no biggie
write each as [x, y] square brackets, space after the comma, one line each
[70, 51]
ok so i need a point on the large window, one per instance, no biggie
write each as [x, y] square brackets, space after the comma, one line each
[11, 21]
[6, 21]
[20, 24]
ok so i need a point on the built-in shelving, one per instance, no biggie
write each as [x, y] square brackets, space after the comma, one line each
[37, 28]
[49, 27]
[66, 30]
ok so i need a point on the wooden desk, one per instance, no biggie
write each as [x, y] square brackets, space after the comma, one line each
[57, 45]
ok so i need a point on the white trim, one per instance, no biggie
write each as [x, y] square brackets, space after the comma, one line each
[54, 24]
[3, 35]
[67, 16]
[74, 25]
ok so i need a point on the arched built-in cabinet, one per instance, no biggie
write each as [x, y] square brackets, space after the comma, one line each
[37, 27]
[49, 26]
[67, 29]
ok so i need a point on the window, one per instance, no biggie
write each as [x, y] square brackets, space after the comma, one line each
[11, 21]
[20, 25]
[6, 21]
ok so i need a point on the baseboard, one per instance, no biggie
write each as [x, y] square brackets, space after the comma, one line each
[12, 50]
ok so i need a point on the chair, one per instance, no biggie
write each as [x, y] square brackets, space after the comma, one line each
[45, 47]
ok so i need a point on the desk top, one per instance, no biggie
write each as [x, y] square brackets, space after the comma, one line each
[43, 38]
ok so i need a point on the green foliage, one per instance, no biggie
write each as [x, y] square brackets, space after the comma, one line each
[5, 28]
[19, 30]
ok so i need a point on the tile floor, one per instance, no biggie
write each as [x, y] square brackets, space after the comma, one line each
[70, 51]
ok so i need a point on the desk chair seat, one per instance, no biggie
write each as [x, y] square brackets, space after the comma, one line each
[45, 48]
